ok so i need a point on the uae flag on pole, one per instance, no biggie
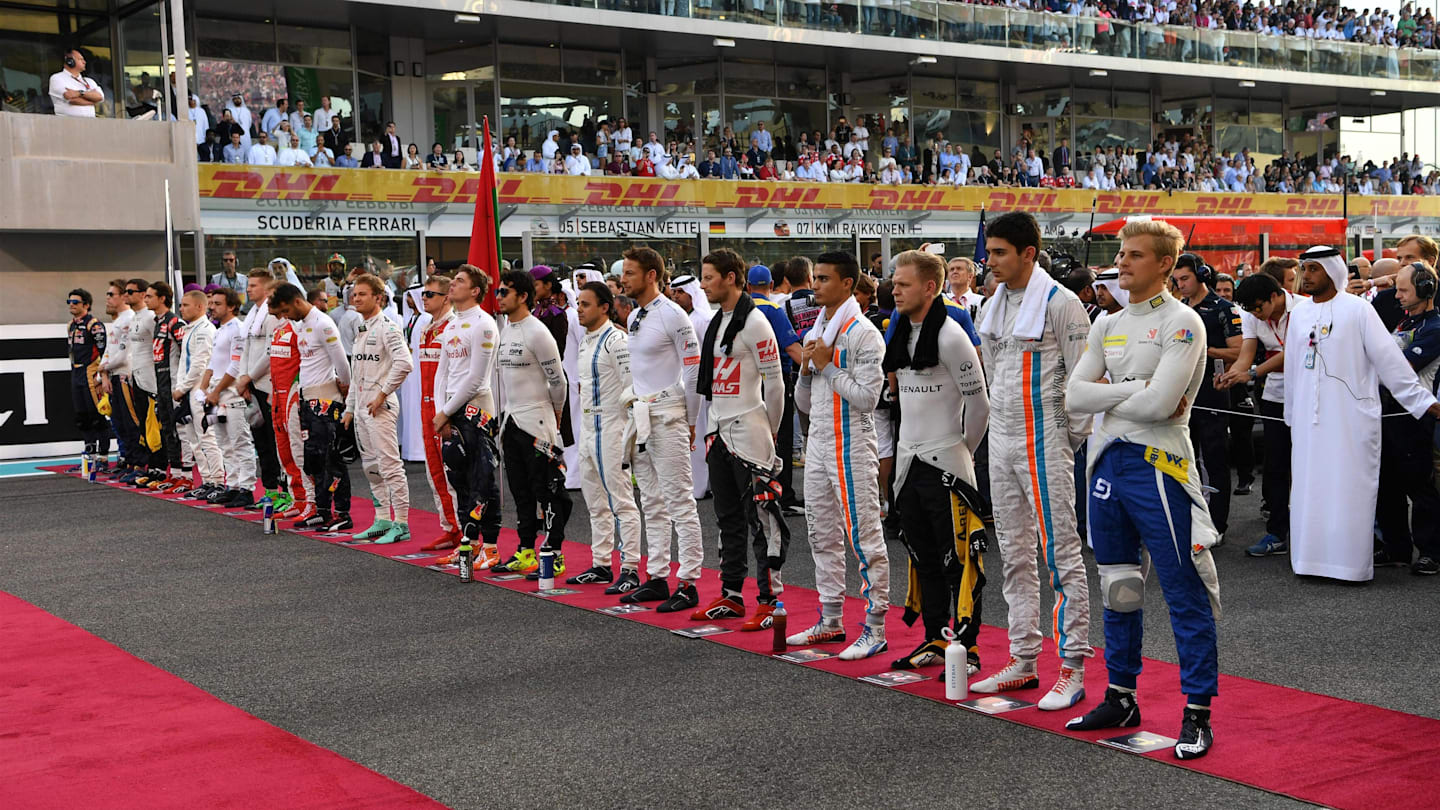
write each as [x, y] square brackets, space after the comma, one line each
[485, 230]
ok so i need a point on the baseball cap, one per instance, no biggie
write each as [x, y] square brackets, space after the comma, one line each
[759, 274]
[335, 257]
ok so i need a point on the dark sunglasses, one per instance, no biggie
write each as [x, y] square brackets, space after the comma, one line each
[73, 301]
[431, 294]
[502, 292]
[129, 291]
[110, 294]
[228, 259]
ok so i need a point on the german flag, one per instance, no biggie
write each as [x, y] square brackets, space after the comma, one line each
[717, 227]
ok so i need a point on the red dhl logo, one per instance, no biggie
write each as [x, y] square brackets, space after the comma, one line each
[253, 185]
[637, 194]
[888, 199]
[1127, 204]
[444, 190]
[1395, 207]
[1226, 204]
[1312, 206]
[1034, 201]
[775, 196]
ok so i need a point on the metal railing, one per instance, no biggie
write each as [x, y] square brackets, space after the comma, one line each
[956, 22]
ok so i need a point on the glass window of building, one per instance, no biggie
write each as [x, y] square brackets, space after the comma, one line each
[236, 39]
[530, 62]
[313, 46]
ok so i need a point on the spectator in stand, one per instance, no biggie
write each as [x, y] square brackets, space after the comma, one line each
[226, 126]
[235, 152]
[617, 165]
[290, 154]
[1034, 169]
[536, 164]
[729, 167]
[761, 141]
[768, 171]
[240, 114]
[745, 171]
[324, 117]
[261, 153]
[322, 156]
[891, 175]
[413, 161]
[511, 158]
[551, 147]
[436, 160]
[459, 164]
[273, 116]
[1060, 158]
[710, 166]
[622, 137]
[394, 150]
[646, 166]
[213, 150]
[375, 158]
[306, 134]
[297, 116]
[345, 160]
[199, 119]
[335, 136]
[576, 164]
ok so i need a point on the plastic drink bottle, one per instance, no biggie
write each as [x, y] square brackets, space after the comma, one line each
[957, 668]
[466, 555]
[87, 468]
[547, 569]
[777, 628]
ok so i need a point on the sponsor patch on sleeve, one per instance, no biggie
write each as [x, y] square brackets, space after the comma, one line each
[769, 351]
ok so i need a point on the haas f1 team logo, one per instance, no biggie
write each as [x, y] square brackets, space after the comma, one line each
[726, 382]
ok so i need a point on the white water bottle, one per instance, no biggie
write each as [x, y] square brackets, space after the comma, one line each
[547, 570]
[957, 668]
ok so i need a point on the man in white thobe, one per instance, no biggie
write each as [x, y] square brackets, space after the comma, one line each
[1337, 354]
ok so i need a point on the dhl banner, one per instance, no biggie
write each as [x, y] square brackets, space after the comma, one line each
[222, 181]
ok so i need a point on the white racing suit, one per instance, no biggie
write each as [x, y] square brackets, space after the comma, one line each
[664, 357]
[380, 364]
[237, 444]
[194, 357]
[842, 492]
[602, 405]
[658, 445]
[1032, 473]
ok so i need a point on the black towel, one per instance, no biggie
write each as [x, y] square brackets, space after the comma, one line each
[707, 351]
[927, 350]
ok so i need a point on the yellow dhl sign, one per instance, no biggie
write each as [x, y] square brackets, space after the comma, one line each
[381, 185]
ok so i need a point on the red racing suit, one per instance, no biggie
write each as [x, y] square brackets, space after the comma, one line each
[285, 410]
[429, 360]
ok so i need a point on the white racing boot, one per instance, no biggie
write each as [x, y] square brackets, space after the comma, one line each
[1017, 674]
[1067, 691]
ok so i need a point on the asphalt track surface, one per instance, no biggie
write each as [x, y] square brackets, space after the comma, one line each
[483, 698]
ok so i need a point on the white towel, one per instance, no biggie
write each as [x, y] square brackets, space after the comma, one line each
[1030, 322]
[829, 328]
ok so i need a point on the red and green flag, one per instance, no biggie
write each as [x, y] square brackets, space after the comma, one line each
[485, 230]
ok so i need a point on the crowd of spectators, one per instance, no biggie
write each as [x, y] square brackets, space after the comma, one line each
[869, 151]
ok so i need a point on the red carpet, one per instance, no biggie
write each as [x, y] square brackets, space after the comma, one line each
[1316, 748]
[85, 724]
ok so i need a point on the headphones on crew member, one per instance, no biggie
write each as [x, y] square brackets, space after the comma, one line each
[1204, 273]
[69, 60]
[1425, 281]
